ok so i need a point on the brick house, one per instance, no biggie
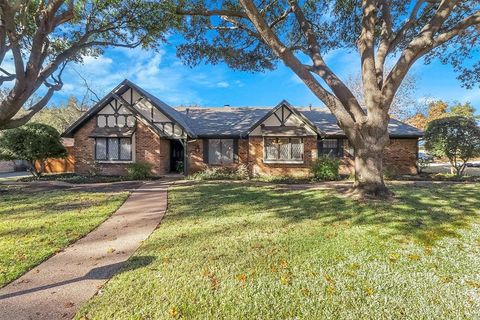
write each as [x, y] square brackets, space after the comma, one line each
[130, 125]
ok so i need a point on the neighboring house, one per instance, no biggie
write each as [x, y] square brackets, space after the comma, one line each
[130, 125]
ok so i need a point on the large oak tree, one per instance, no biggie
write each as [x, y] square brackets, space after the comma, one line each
[254, 34]
[42, 36]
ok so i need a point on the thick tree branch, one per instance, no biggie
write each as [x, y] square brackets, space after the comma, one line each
[272, 40]
[40, 104]
[390, 39]
[320, 67]
[458, 29]
[367, 55]
[419, 46]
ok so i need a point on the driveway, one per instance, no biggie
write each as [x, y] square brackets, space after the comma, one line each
[59, 286]
[13, 175]
[445, 168]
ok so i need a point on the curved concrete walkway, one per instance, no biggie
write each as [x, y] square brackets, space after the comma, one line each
[59, 286]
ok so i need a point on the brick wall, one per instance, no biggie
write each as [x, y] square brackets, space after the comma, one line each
[400, 157]
[195, 155]
[258, 167]
[148, 145]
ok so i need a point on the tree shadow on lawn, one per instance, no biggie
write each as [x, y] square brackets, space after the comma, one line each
[98, 273]
[421, 213]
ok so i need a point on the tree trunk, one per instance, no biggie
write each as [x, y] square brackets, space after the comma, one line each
[369, 182]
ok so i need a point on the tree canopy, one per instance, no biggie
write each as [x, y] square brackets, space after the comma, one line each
[31, 142]
[42, 36]
[255, 34]
[440, 109]
[455, 137]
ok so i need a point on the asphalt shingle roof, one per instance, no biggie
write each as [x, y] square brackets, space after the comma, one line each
[235, 121]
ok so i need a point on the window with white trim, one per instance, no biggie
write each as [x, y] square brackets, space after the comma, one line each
[113, 149]
[220, 151]
[283, 149]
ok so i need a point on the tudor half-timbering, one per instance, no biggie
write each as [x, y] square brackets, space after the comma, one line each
[131, 125]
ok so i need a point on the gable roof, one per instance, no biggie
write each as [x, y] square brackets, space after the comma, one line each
[284, 103]
[117, 92]
[238, 121]
[234, 121]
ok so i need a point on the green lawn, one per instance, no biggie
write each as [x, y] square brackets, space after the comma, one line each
[34, 225]
[235, 251]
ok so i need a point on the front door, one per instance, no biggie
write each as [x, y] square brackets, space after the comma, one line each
[176, 156]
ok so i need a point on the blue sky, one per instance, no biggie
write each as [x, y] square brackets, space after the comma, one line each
[164, 75]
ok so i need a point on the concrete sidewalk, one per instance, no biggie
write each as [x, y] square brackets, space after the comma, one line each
[59, 286]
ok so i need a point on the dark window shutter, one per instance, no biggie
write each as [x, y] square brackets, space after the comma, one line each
[320, 148]
[205, 151]
[235, 151]
[340, 147]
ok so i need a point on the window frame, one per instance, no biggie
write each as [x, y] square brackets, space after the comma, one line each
[290, 160]
[338, 153]
[106, 159]
[221, 143]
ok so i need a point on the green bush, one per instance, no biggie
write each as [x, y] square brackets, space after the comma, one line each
[285, 179]
[139, 170]
[179, 167]
[33, 142]
[222, 173]
[325, 168]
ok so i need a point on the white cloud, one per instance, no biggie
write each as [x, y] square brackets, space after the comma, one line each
[223, 84]
[425, 100]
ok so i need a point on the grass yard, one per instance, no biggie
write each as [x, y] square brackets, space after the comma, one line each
[236, 251]
[35, 225]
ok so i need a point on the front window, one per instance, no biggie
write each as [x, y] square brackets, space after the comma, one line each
[331, 147]
[220, 151]
[283, 149]
[113, 149]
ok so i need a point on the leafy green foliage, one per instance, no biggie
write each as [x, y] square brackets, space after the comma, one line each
[239, 251]
[463, 109]
[139, 170]
[35, 225]
[222, 173]
[457, 138]
[31, 142]
[336, 25]
[441, 109]
[325, 168]
[59, 116]
[76, 178]
[70, 31]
